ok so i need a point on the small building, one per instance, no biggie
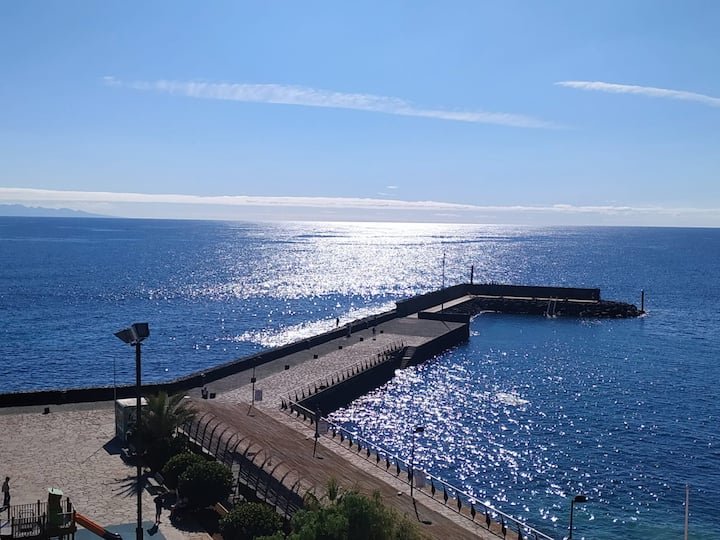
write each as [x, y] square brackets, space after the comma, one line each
[125, 416]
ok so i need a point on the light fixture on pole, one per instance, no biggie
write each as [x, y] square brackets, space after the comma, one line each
[411, 474]
[442, 307]
[575, 499]
[443, 272]
[253, 380]
[134, 336]
[418, 429]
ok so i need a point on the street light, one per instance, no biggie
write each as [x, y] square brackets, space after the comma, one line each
[418, 429]
[576, 499]
[442, 306]
[134, 336]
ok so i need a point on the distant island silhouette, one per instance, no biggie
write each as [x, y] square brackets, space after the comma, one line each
[19, 210]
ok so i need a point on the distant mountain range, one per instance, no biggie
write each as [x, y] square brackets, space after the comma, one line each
[36, 211]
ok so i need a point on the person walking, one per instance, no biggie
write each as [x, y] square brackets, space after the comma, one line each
[6, 492]
[158, 508]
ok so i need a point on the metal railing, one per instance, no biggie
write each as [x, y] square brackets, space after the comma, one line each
[452, 497]
[387, 354]
[251, 466]
[34, 520]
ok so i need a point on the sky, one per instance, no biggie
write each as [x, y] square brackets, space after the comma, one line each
[517, 112]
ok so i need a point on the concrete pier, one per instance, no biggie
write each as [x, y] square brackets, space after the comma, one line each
[326, 371]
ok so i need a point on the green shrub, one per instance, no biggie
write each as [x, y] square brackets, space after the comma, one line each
[160, 420]
[248, 521]
[205, 483]
[177, 465]
[159, 451]
[353, 517]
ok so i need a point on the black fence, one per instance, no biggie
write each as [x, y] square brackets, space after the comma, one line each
[36, 520]
[254, 474]
[390, 353]
[427, 485]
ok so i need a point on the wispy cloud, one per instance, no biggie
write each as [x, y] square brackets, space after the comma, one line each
[28, 195]
[314, 97]
[648, 91]
[178, 206]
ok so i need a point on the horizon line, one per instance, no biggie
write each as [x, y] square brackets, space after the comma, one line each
[182, 206]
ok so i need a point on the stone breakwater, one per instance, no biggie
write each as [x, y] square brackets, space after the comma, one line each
[451, 305]
[558, 307]
[469, 299]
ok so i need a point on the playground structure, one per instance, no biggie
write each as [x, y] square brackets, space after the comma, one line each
[55, 518]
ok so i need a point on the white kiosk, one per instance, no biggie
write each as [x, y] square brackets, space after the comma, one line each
[125, 416]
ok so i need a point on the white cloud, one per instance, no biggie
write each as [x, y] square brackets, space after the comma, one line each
[313, 97]
[649, 91]
[248, 208]
[42, 195]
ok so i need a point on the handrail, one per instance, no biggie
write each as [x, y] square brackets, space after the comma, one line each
[491, 513]
[33, 519]
[253, 475]
[341, 375]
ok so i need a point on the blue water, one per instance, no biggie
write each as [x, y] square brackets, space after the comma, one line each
[526, 414]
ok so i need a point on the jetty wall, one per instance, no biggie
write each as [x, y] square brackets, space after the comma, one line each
[530, 291]
[522, 299]
[345, 391]
[194, 380]
[425, 301]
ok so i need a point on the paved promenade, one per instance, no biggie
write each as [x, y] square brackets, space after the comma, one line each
[72, 449]
[288, 445]
[290, 441]
[338, 355]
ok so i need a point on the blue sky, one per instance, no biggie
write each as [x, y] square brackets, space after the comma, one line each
[552, 112]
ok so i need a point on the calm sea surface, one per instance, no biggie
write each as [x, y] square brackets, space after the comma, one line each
[525, 415]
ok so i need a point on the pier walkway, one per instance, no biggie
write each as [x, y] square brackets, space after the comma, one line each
[283, 445]
[73, 448]
[321, 362]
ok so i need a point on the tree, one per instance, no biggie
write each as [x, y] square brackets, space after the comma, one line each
[352, 516]
[177, 465]
[248, 521]
[160, 420]
[165, 414]
[205, 483]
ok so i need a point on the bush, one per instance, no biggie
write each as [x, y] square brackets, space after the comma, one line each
[177, 465]
[249, 521]
[163, 416]
[159, 451]
[205, 483]
[353, 517]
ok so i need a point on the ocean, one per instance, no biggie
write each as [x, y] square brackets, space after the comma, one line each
[527, 414]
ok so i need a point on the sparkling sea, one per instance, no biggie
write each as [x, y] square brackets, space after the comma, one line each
[527, 414]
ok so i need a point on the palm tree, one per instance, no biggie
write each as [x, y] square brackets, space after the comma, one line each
[160, 420]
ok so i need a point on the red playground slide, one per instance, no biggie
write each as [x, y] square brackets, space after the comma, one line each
[95, 528]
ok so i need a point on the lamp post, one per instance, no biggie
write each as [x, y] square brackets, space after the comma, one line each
[253, 380]
[134, 335]
[442, 307]
[418, 429]
[576, 499]
[443, 272]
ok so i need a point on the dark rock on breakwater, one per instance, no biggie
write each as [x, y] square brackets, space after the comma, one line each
[552, 308]
[453, 306]
[468, 299]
